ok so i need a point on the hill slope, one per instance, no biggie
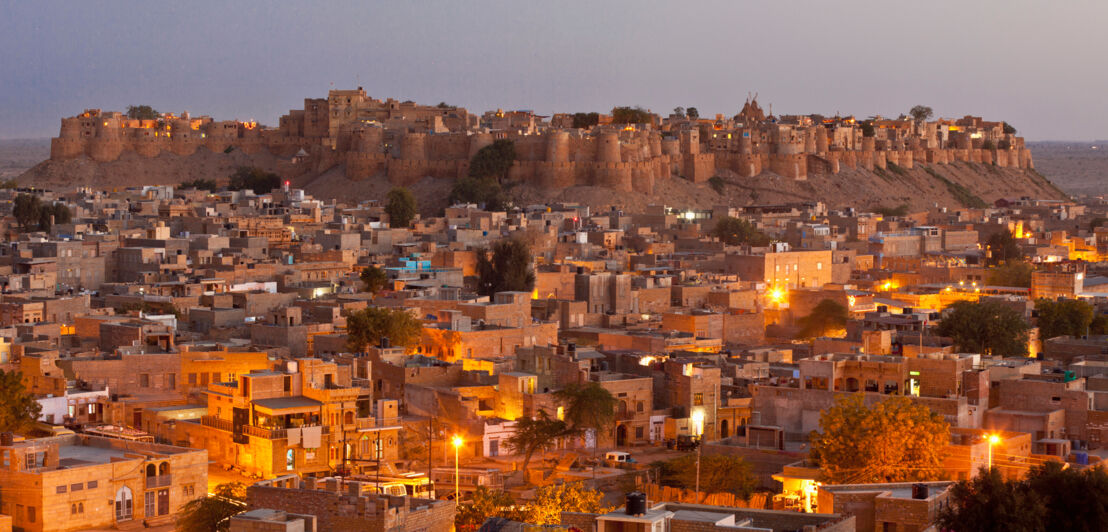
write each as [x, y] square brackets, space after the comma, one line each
[954, 185]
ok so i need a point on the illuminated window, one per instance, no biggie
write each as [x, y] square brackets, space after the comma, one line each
[290, 460]
[698, 399]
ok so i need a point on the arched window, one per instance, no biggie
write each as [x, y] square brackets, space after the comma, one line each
[151, 470]
[124, 504]
[163, 469]
[348, 418]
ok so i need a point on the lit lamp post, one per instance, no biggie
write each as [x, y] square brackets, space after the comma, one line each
[993, 440]
[698, 429]
[458, 441]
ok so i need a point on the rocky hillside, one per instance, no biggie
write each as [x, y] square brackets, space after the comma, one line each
[954, 185]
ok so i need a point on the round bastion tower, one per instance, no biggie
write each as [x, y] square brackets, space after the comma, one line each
[413, 147]
[557, 147]
[68, 144]
[607, 147]
[367, 139]
[478, 141]
[106, 144]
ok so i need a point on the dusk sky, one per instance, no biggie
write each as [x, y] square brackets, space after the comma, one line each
[1039, 65]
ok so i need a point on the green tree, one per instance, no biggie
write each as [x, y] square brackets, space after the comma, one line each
[585, 120]
[895, 440]
[254, 178]
[484, 504]
[632, 115]
[366, 327]
[26, 210]
[482, 191]
[989, 504]
[62, 214]
[214, 512]
[201, 184]
[719, 473]
[987, 327]
[374, 279]
[508, 270]
[1009, 129]
[1011, 273]
[142, 112]
[899, 210]
[827, 316]
[679, 112]
[400, 205]
[494, 160]
[1002, 247]
[1069, 317]
[1099, 325]
[588, 406]
[692, 113]
[736, 231]
[920, 113]
[534, 434]
[867, 128]
[18, 409]
[1075, 500]
[553, 499]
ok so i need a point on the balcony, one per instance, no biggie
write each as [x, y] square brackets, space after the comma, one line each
[369, 423]
[214, 422]
[159, 481]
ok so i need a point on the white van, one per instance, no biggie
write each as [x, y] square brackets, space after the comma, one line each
[618, 458]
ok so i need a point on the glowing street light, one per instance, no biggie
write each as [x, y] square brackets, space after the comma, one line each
[698, 429]
[458, 441]
[993, 439]
[776, 295]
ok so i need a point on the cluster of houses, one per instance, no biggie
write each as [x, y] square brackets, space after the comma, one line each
[170, 333]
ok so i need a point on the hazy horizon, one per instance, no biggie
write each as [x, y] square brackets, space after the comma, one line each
[1029, 64]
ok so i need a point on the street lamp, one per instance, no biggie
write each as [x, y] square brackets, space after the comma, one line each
[698, 429]
[993, 440]
[458, 441]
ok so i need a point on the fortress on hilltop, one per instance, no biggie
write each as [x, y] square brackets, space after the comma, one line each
[406, 142]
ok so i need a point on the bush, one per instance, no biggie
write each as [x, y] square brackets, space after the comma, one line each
[631, 115]
[253, 178]
[717, 184]
[201, 184]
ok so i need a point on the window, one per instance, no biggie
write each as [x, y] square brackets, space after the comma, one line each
[60, 489]
[290, 460]
[31, 514]
[148, 504]
[192, 379]
[171, 381]
[638, 432]
[76, 487]
[144, 380]
[92, 484]
[698, 399]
